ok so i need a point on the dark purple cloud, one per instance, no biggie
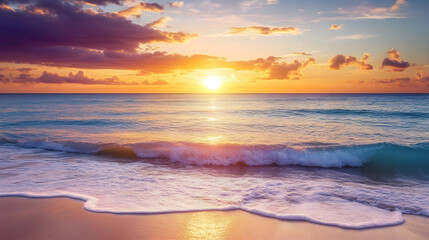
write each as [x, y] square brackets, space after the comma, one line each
[47, 23]
[78, 78]
[92, 2]
[395, 64]
[337, 62]
[102, 2]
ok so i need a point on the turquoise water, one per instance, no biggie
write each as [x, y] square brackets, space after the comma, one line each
[350, 160]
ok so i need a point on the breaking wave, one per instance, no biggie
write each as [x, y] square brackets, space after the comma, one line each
[381, 156]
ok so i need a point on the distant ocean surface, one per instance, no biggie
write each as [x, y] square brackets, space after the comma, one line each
[349, 160]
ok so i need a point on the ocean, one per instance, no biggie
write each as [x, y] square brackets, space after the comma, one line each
[348, 160]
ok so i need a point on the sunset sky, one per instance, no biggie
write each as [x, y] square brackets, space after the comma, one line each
[245, 46]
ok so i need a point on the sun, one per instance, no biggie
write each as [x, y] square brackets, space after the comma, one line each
[212, 82]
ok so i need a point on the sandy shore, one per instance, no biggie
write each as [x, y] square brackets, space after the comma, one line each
[62, 218]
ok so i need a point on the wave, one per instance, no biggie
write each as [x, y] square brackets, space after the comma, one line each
[365, 112]
[72, 122]
[383, 157]
[335, 112]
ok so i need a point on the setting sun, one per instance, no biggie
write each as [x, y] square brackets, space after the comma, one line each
[212, 82]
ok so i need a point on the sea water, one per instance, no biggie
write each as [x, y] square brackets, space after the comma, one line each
[349, 160]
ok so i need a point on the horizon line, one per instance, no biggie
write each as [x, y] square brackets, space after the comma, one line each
[229, 93]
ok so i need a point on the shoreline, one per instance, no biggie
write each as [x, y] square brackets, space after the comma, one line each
[66, 218]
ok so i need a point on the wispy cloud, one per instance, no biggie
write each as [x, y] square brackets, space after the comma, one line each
[300, 54]
[366, 11]
[355, 37]
[249, 4]
[398, 4]
[420, 80]
[158, 22]
[261, 30]
[142, 7]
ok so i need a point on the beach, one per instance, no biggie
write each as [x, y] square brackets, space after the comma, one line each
[201, 119]
[63, 218]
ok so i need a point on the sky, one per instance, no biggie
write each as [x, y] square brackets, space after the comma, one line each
[244, 46]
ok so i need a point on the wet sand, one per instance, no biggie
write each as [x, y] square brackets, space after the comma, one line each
[63, 218]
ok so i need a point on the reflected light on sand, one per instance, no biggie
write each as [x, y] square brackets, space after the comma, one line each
[206, 225]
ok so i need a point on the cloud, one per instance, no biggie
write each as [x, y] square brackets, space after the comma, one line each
[4, 79]
[336, 27]
[401, 82]
[66, 35]
[354, 37]
[176, 4]
[337, 62]
[249, 4]
[398, 4]
[101, 2]
[78, 78]
[300, 54]
[423, 78]
[264, 30]
[384, 13]
[148, 63]
[289, 70]
[142, 7]
[157, 82]
[89, 2]
[393, 54]
[67, 24]
[6, 7]
[25, 70]
[394, 65]
[420, 80]
[271, 2]
[20, 70]
[158, 22]
[367, 11]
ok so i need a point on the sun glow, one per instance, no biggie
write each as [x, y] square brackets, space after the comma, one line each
[212, 82]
